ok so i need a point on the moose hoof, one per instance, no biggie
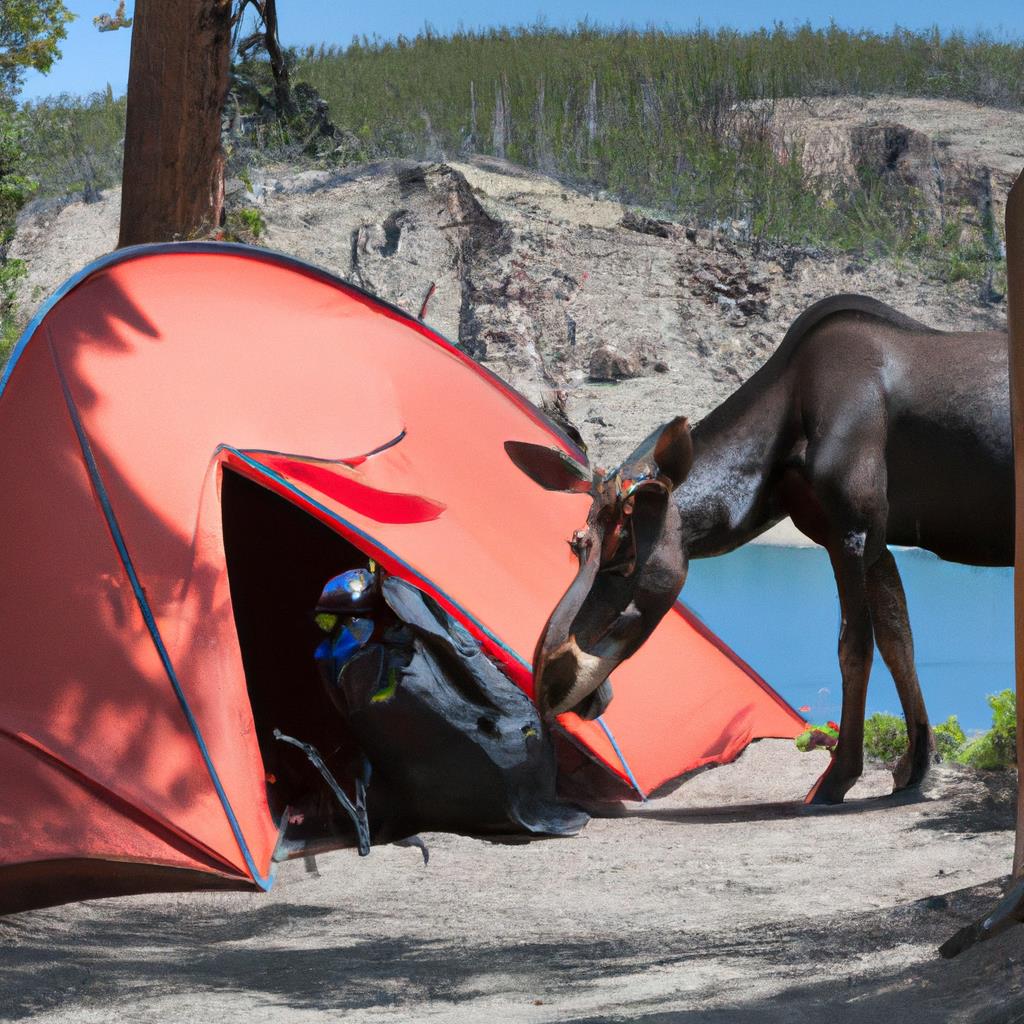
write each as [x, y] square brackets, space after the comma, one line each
[832, 787]
[912, 769]
[819, 797]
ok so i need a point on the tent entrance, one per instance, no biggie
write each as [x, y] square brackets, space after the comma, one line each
[278, 559]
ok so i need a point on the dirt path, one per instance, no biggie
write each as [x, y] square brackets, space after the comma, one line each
[724, 902]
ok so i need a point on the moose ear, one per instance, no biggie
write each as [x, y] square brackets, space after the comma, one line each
[673, 451]
[549, 467]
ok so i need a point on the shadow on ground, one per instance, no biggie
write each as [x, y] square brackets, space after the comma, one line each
[990, 806]
[115, 956]
[777, 811]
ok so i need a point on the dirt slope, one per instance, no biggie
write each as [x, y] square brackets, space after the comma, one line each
[553, 288]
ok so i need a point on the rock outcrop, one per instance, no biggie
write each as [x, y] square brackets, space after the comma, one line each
[958, 158]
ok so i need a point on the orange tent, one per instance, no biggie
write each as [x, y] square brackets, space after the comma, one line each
[192, 438]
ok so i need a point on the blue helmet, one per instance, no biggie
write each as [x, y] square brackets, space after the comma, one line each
[354, 592]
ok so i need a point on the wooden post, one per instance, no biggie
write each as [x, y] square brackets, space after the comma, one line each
[173, 180]
[1015, 316]
[1010, 909]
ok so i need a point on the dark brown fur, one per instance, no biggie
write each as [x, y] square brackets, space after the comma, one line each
[868, 429]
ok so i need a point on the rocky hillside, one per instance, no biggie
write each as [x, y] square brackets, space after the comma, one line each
[612, 316]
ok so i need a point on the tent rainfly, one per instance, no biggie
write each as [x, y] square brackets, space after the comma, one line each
[193, 438]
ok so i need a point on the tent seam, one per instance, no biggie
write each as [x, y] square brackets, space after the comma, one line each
[264, 882]
[112, 797]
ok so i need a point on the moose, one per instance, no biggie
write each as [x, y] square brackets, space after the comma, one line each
[867, 428]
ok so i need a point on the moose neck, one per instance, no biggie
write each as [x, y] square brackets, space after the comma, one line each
[728, 498]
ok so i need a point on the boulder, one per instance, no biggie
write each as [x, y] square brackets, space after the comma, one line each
[608, 363]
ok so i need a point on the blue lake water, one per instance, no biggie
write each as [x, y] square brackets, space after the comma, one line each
[777, 608]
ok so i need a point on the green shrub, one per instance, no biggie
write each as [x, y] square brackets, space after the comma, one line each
[949, 738]
[885, 736]
[245, 224]
[74, 143]
[11, 271]
[15, 190]
[15, 187]
[10, 331]
[998, 747]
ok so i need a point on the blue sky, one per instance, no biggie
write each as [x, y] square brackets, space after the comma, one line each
[91, 59]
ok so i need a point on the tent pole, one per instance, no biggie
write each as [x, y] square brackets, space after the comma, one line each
[1015, 314]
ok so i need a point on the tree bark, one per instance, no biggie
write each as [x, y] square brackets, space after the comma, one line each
[173, 180]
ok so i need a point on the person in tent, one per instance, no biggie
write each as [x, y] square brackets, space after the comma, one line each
[348, 611]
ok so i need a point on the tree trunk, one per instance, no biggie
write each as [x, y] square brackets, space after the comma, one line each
[278, 65]
[1009, 910]
[173, 181]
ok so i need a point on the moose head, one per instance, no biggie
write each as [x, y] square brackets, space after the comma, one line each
[632, 565]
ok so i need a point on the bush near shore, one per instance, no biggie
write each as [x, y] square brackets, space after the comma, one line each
[885, 737]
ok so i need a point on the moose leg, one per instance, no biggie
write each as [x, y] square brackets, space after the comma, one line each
[846, 467]
[856, 646]
[895, 642]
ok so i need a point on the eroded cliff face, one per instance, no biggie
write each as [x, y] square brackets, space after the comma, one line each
[610, 316]
[960, 158]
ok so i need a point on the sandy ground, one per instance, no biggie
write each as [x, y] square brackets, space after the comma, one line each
[725, 902]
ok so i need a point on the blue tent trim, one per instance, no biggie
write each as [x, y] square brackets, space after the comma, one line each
[263, 881]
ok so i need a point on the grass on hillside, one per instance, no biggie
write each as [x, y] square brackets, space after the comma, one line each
[681, 120]
[678, 121]
[74, 143]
